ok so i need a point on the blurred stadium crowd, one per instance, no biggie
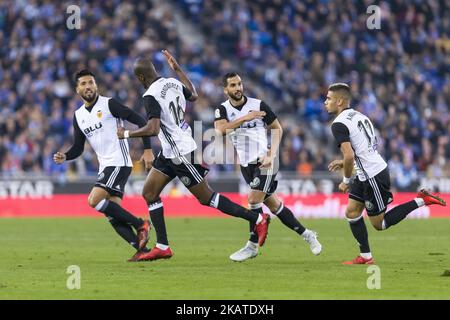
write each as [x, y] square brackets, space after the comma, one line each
[286, 51]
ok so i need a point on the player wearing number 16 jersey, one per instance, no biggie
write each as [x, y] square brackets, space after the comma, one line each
[165, 102]
[370, 189]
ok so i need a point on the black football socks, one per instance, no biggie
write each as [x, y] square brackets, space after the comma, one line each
[113, 210]
[125, 231]
[257, 208]
[225, 205]
[288, 219]
[397, 214]
[359, 231]
[156, 210]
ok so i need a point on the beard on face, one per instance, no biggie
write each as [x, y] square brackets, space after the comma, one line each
[89, 97]
[236, 96]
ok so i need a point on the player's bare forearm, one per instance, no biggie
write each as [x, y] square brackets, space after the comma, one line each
[348, 166]
[349, 158]
[146, 131]
[150, 129]
[181, 75]
[223, 125]
[188, 84]
[276, 135]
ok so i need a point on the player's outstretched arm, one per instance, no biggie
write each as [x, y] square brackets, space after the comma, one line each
[153, 124]
[181, 75]
[150, 129]
[120, 111]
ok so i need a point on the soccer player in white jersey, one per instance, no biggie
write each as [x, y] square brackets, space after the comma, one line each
[96, 121]
[370, 189]
[165, 102]
[247, 121]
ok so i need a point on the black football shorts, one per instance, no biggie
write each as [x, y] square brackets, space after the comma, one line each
[374, 192]
[113, 180]
[183, 167]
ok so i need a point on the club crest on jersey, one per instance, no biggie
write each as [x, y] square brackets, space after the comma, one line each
[255, 182]
[186, 181]
[369, 205]
[99, 114]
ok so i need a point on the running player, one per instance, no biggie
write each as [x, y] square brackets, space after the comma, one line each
[165, 102]
[97, 120]
[246, 120]
[370, 189]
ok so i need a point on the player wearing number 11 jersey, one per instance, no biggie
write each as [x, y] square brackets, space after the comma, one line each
[165, 102]
[370, 189]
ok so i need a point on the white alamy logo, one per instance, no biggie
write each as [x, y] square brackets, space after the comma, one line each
[74, 279]
[74, 20]
[373, 22]
[374, 281]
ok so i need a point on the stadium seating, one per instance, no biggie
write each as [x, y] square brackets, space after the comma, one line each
[286, 51]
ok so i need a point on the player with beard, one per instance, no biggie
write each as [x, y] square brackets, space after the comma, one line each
[165, 102]
[97, 121]
[247, 122]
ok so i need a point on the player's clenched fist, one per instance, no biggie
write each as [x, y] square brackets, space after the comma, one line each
[148, 158]
[336, 165]
[59, 157]
[344, 187]
[121, 132]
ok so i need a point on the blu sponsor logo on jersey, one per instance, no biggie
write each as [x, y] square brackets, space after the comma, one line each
[90, 130]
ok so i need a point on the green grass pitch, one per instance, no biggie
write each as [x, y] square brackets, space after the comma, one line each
[35, 254]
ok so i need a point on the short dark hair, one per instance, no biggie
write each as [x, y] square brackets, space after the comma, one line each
[340, 86]
[227, 76]
[82, 73]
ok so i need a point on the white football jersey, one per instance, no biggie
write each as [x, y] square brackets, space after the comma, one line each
[250, 139]
[175, 134]
[100, 128]
[364, 141]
